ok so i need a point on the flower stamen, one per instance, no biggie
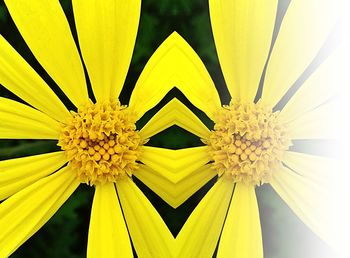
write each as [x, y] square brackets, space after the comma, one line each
[247, 143]
[101, 142]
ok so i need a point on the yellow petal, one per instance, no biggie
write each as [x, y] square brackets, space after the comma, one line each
[174, 193]
[19, 121]
[304, 29]
[175, 63]
[150, 236]
[44, 27]
[174, 113]
[17, 76]
[319, 169]
[15, 174]
[243, 32]
[27, 211]
[108, 235]
[320, 123]
[241, 236]
[107, 33]
[323, 84]
[175, 165]
[201, 232]
[310, 201]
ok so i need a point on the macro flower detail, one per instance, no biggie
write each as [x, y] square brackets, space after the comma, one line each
[101, 142]
[259, 73]
[247, 143]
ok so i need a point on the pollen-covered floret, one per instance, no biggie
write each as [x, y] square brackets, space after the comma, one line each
[101, 142]
[247, 143]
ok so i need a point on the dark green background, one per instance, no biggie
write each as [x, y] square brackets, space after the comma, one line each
[65, 235]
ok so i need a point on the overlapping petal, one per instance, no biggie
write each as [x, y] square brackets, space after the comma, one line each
[174, 193]
[174, 113]
[17, 76]
[107, 33]
[241, 235]
[201, 232]
[19, 121]
[175, 165]
[323, 170]
[174, 63]
[319, 123]
[27, 211]
[149, 234]
[45, 29]
[309, 200]
[15, 174]
[243, 32]
[305, 28]
[325, 83]
[108, 235]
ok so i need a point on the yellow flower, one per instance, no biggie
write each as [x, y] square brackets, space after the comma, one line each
[250, 143]
[100, 143]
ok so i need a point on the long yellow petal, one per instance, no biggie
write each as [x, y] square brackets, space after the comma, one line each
[175, 63]
[15, 174]
[45, 29]
[319, 169]
[243, 32]
[174, 113]
[174, 193]
[310, 201]
[320, 123]
[107, 33]
[325, 83]
[304, 29]
[241, 236]
[175, 165]
[150, 236]
[26, 212]
[20, 78]
[19, 121]
[108, 235]
[200, 234]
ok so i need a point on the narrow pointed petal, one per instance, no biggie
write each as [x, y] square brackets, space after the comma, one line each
[19, 121]
[241, 236]
[27, 211]
[174, 113]
[149, 233]
[309, 201]
[15, 174]
[325, 83]
[108, 235]
[45, 29]
[175, 64]
[201, 232]
[320, 123]
[243, 33]
[107, 33]
[175, 165]
[304, 29]
[20, 78]
[174, 193]
[319, 169]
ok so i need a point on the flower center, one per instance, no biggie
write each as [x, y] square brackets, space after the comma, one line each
[247, 143]
[101, 142]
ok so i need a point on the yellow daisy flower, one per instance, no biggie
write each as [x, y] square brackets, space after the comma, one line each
[251, 142]
[100, 143]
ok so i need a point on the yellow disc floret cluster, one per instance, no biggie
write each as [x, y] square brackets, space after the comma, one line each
[247, 143]
[101, 142]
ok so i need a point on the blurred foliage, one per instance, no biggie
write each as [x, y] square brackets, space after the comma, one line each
[65, 235]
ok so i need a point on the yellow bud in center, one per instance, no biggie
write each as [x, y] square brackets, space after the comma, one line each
[258, 142]
[101, 142]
